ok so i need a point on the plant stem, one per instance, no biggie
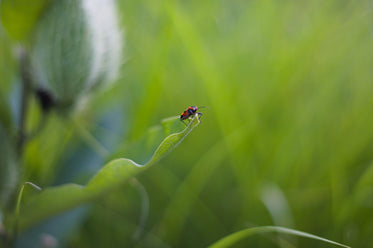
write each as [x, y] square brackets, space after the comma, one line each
[26, 87]
[144, 208]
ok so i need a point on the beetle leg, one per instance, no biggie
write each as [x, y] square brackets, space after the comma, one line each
[198, 115]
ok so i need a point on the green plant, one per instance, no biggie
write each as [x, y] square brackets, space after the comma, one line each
[286, 141]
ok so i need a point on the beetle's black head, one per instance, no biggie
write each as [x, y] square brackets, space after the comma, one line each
[192, 110]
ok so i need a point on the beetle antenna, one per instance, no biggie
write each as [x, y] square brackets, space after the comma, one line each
[203, 107]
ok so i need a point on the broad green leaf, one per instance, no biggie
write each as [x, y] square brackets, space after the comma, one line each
[233, 238]
[54, 200]
[19, 16]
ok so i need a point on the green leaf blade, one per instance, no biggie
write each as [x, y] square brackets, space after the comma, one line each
[233, 238]
[55, 200]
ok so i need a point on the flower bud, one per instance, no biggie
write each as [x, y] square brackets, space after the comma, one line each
[76, 47]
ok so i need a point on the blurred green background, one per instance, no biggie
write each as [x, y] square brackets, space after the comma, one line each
[287, 139]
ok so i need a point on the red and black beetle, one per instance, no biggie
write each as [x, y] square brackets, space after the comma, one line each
[190, 112]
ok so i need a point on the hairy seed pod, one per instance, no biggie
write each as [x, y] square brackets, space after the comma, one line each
[77, 47]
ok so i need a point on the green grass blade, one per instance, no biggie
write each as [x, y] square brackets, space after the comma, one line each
[231, 239]
[54, 200]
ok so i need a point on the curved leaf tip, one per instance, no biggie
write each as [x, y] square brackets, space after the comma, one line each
[233, 238]
[54, 200]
